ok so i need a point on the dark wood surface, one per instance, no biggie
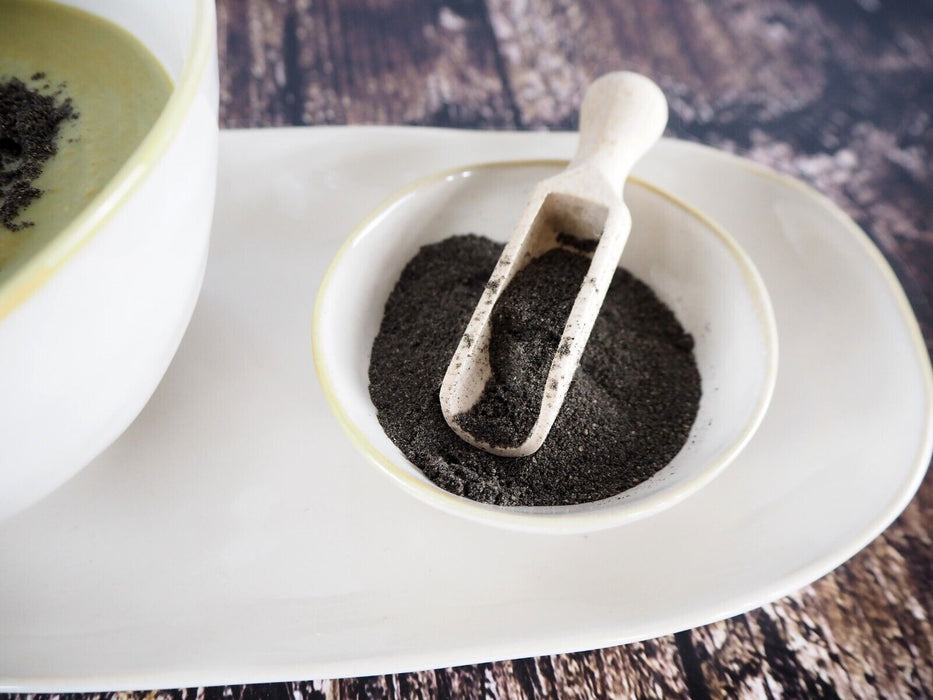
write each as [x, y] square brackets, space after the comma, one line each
[838, 93]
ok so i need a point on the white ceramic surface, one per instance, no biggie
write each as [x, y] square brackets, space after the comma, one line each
[693, 266]
[234, 534]
[90, 323]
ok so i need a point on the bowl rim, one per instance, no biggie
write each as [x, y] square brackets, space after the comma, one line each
[544, 519]
[31, 273]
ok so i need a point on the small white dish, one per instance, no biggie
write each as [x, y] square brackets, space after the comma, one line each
[90, 321]
[234, 534]
[692, 265]
[622, 115]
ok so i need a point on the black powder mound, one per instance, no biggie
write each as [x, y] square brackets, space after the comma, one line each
[526, 327]
[627, 413]
[29, 124]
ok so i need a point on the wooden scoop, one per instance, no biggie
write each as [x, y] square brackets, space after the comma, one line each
[622, 116]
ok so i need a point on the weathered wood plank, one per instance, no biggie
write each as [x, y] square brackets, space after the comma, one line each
[646, 670]
[360, 62]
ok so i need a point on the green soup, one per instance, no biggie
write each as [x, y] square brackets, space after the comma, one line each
[117, 89]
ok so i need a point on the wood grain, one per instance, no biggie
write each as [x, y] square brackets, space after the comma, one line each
[359, 62]
[838, 93]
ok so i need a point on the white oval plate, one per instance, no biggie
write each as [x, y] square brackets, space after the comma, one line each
[234, 534]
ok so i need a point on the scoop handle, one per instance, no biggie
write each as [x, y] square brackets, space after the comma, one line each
[622, 115]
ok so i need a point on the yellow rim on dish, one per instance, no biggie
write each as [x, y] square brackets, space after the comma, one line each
[549, 517]
[32, 273]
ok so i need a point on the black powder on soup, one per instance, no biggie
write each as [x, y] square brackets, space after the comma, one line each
[629, 409]
[30, 119]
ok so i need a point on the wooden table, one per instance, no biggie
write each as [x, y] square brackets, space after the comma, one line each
[837, 93]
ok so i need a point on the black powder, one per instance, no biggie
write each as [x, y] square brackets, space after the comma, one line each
[30, 119]
[627, 413]
[526, 326]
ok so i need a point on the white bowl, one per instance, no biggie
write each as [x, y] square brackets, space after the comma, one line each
[693, 266]
[89, 323]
